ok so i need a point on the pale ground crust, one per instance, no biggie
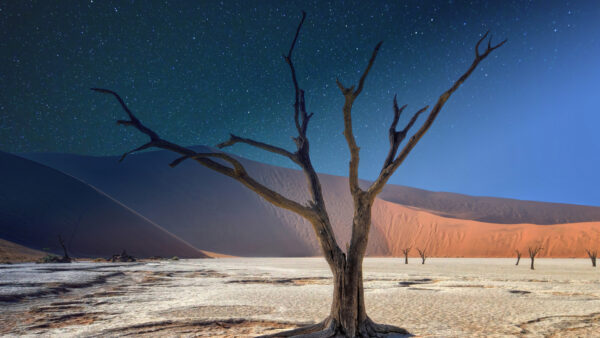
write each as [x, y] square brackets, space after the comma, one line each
[244, 297]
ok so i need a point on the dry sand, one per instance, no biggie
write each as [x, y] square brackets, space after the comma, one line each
[250, 296]
[15, 253]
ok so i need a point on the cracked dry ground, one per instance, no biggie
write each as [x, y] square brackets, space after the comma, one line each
[247, 297]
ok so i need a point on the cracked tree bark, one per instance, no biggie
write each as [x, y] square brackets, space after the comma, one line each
[348, 316]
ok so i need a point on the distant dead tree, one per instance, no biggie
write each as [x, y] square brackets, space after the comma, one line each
[592, 254]
[405, 251]
[422, 254]
[348, 316]
[65, 253]
[55, 259]
[518, 256]
[533, 251]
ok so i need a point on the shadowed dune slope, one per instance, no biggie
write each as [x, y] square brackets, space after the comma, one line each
[216, 213]
[212, 211]
[37, 203]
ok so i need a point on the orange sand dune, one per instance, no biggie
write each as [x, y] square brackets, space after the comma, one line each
[449, 237]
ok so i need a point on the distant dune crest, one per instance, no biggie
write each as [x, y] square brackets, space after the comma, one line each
[205, 210]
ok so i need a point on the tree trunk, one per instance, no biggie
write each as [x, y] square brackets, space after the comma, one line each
[518, 259]
[532, 259]
[348, 313]
[348, 306]
[406, 259]
[348, 317]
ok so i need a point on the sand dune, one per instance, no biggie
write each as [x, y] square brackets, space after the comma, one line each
[449, 237]
[209, 210]
[15, 253]
[215, 213]
[490, 209]
[38, 203]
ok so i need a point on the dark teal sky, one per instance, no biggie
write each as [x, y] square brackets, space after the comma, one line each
[525, 125]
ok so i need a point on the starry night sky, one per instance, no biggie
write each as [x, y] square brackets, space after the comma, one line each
[525, 125]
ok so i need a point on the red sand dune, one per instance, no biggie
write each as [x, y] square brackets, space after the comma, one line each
[213, 212]
[405, 227]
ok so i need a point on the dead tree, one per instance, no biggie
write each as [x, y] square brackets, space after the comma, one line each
[348, 316]
[422, 254]
[533, 251]
[405, 251]
[518, 256]
[65, 258]
[592, 254]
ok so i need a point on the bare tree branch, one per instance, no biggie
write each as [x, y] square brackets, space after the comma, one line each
[298, 93]
[389, 170]
[489, 48]
[133, 121]
[140, 148]
[238, 172]
[397, 113]
[350, 95]
[233, 139]
[396, 137]
[361, 82]
[238, 168]
[323, 227]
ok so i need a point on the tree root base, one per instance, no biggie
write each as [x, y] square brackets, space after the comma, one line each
[330, 328]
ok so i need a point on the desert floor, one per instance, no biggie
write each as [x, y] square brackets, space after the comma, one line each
[250, 296]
